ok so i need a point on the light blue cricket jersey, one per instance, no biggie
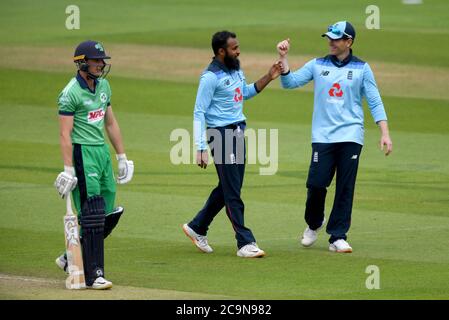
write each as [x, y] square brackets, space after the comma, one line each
[219, 101]
[338, 91]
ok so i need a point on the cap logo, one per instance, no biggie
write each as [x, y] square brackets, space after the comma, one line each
[98, 46]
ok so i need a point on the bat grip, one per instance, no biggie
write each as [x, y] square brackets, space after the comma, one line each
[69, 203]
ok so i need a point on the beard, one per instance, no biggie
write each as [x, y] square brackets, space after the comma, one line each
[231, 63]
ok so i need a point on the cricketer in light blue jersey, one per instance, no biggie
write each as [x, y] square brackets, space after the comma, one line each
[341, 82]
[219, 101]
[339, 88]
[219, 105]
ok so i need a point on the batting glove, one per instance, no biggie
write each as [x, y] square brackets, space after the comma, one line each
[125, 169]
[66, 181]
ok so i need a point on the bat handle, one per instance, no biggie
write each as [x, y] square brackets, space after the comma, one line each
[69, 204]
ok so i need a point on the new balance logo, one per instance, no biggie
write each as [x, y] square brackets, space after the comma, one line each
[324, 73]
[354, 157]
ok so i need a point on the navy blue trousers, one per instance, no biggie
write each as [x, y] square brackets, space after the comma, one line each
[328, 159]
[229, 158]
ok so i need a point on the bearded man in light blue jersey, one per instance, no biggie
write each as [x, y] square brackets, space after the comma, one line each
[220, 123]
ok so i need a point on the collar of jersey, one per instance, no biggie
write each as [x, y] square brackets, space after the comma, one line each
[83, 83]
[339, 63]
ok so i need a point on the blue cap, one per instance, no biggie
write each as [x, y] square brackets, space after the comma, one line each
[339, 30]
[90, 50]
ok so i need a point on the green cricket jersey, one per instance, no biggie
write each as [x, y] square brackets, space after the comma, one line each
[88, 108]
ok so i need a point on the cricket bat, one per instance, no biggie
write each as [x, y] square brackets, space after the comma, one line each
[75, 267]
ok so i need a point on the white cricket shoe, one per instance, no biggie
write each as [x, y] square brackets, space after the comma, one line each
[101, 284]
[62, 263]
[198, 240]
[340, 246]
[250, 251]
[310, 236]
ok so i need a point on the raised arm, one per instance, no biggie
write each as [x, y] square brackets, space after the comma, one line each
[299, 78]
[250, 90]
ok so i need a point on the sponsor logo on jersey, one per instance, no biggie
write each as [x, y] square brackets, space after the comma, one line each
[238, 96]
[95, 115]
[335, 95]
[324, 73]
[336, 91]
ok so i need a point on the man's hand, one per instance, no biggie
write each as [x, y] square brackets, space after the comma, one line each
[202, 158]
[386, 141]
[125, 169]
[275, 70]
[385, 137]
[66, 181]
[283, 47]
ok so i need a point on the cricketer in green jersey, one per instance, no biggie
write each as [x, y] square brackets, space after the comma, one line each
[85, 111]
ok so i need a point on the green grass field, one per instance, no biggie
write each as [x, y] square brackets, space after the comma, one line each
[401, 211]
